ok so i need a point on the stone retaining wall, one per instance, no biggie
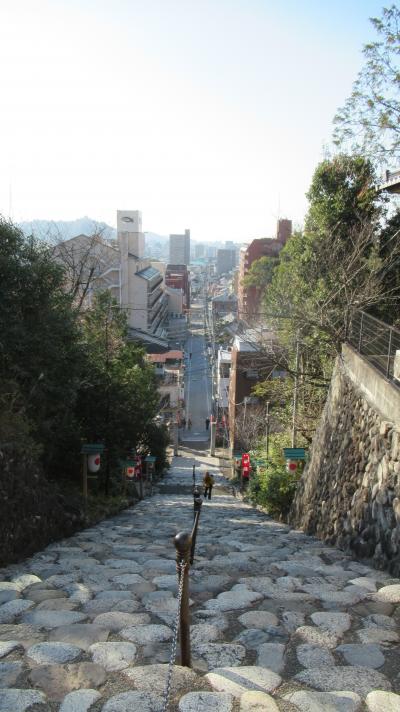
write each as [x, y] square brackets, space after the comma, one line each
[349, 493]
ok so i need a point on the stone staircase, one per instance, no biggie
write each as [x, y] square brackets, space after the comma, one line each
[280, 621]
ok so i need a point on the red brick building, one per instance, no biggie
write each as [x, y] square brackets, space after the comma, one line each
[177, 277]
[249, 297]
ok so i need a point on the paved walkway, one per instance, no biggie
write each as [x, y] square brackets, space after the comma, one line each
[280, 621]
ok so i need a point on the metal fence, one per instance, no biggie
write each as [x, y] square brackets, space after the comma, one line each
[378, 342]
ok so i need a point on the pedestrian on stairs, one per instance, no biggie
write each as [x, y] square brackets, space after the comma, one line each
[189, 424]
[207, 423]
[208, 481]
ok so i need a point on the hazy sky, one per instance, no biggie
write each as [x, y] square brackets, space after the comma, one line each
[203, 114]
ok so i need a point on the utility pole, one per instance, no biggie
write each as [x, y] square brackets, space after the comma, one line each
[295, 390]
[267, 429]
[213, 433]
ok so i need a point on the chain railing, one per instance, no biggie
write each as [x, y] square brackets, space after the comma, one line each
[378, 342]
[185, 543]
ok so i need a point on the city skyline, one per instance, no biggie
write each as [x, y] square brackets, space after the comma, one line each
[211, 115]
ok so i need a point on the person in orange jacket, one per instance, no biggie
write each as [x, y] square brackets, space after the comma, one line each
[208, 481]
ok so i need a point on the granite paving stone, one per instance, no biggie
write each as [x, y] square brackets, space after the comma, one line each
[16, 700]
[257, 702]
[81, 634]
[131, 701]
[12, 609]
[113, 656]
[79, 701]
[314, 656]
[147, 633]
[220, 654]
[57, 680]
[236, 680]
[210, 701]
[307, 701]
[353, 678]
[9, 673]
[8, 646]
[53, 619]
[367, 655]
[115, 620]
[378, 701]
[53, 653]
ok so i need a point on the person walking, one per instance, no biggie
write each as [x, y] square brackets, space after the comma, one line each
[189, 424]
[208, 481]
[207, 423]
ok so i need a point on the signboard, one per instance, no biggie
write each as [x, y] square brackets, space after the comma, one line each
[295, 453]
[92, 448]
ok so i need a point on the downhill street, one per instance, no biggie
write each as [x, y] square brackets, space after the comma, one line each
[197, 379]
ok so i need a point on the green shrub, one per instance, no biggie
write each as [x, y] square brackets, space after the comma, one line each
[274, 488]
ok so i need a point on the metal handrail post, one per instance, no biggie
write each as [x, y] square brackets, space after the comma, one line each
[389, 350]
[194, 477]
[197, 504]
[183, 542]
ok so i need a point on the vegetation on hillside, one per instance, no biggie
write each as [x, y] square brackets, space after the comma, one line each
[67, 376]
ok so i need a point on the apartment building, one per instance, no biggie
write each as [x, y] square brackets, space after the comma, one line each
[94, 264]
[177, 277]
[249, 297]
[226, 260]
[179, 249]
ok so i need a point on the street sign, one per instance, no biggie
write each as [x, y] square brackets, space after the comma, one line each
[92, 448]
[295, 453]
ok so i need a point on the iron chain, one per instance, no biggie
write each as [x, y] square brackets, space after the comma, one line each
[167, 690]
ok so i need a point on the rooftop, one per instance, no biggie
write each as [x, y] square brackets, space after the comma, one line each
[168, 356]
[148, 272]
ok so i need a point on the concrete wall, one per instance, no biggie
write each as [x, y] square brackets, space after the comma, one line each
[349, 493]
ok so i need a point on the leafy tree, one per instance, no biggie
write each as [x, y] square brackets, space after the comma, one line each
[39, 346]
[118, 398]
[327, 272]
[369, 121]
[261, 272]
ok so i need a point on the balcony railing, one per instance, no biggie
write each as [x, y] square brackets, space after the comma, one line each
[378, 342]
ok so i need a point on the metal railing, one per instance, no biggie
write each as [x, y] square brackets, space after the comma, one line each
[185, 543]
[378, 342]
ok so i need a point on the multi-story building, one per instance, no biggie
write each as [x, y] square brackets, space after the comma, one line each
[94, 264]
[255, 355]
[177, 277]
[224, 304]
[199, 250]
[226, 260]
[179, 249]
[249, 297]
[169, 370]
[223, 369]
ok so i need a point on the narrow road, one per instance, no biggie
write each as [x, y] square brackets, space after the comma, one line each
[280, 621]
[197, 379]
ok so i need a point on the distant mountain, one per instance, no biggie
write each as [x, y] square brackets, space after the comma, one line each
[156, 245]
[64, 229]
